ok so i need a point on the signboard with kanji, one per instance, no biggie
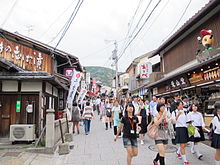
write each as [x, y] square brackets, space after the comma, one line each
[25, 57]
[145, 70]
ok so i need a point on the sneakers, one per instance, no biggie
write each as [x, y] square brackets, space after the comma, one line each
[193, 151]
[178, 155]
[155, 162]
[186, 163]
[200, 157]
[142, 142]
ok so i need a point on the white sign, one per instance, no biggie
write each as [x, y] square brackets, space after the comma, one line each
[29, 108]
[73, 87]
[155, 91]
[145, 70]
[83, 84]
[88, 78]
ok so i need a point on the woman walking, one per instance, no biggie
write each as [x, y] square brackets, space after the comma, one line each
[161, 120]
[143, 113]
[182, 138]
[216, 135]
[116, 111]
[108, 114]
[129, 125]
[196, 119]
[75, 117]
[87, 116]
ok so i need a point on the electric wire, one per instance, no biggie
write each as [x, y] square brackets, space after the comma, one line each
[184, 12]
[139, 29]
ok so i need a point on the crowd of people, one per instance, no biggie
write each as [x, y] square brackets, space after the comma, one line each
[177, 120]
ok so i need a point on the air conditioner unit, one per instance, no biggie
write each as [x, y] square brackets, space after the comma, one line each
[22, 132]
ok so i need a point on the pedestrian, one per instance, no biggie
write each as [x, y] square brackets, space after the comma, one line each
[102, 109]
[129, 125]
[97, 102]
[135, 104]
[108, 114]
[216, 133]
[173, 104]
[153, 106]
[161, 120]
[143, 113]
[149, 116]
[196, 119]
[116, 111]
[75, 117]
[87, 116]
[180, 117]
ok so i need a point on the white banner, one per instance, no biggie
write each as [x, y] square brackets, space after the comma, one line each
[82, 95]
[145, 70]
[73, 87]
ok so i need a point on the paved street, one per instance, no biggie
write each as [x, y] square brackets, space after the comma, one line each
[98, 148]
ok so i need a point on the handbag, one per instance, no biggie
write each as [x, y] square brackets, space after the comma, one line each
[108, 113]
[152, 130]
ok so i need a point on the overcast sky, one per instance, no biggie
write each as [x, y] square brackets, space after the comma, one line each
[97, 21]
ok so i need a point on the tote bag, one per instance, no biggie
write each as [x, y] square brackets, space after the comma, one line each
[152, 130]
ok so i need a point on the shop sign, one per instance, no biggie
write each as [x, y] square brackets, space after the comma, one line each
[18, 106]
[82, 95]
[155, 91]
[208, 75]
[180, 82]
[68, 72]
[211, 74]
[25, 57]
[83, 84]
[94, 83]
[87, 78]
[145, 70]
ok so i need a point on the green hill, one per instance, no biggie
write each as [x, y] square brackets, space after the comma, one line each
[105, 75]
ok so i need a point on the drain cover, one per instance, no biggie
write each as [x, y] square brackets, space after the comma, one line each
[169, 148]
[13, 154]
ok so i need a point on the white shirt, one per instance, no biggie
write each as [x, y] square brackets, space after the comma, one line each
[216, 125]
[197, 119]
[136, 107]
[181, 121]
[98, 101]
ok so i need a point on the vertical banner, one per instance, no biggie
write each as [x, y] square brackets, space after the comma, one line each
[88, 78]
[73, 87]
[82, 95]
[94, 84]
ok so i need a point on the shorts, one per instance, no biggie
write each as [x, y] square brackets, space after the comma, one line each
[130, 142]
[165, 142]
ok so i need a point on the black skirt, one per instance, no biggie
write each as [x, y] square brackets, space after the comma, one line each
[181, 135]
[143, 125]
[216, 141]
[202, 136]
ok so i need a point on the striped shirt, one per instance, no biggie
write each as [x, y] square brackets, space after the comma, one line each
[88, 112]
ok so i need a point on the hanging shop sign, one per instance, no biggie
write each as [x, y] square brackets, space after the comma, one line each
[25, 57]
[94, 83]
[145, 70]
[88, 78]
[83, 84]
[155, 91]
[68, 72]
[82, 95]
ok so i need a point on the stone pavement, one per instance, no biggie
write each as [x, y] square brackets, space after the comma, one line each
[98, 148]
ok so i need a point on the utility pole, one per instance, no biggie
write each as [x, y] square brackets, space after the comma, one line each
[115, 59]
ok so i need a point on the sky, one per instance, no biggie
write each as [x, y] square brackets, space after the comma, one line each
[97, 25]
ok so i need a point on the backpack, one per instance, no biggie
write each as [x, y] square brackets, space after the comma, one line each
[109, 113]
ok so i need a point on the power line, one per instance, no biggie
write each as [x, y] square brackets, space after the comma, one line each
[140, 29]
[184, 12]
[69, 22]
[51, 25]
[9, 13]
[156, 19]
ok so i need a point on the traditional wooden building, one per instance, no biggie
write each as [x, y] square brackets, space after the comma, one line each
[186, 70]
[31, 80]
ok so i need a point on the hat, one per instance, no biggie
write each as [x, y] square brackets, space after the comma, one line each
[205, 32]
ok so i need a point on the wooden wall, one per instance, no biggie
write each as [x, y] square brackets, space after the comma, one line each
[184, 52]
[28, 56]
